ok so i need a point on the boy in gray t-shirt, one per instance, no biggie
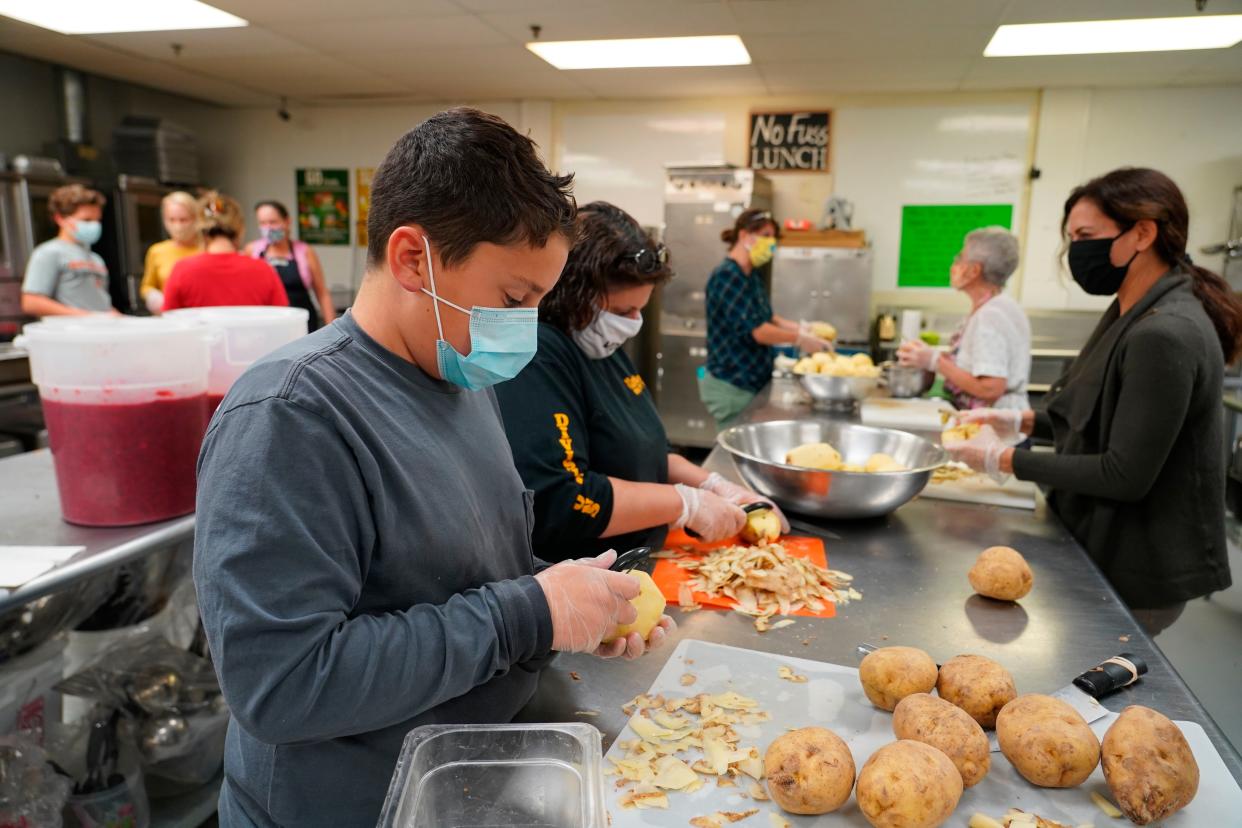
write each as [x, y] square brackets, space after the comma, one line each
[63, 276]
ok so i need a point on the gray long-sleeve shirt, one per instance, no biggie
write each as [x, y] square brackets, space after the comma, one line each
[363, 565]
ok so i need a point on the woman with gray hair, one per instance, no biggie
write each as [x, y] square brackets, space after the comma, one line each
[988, 361]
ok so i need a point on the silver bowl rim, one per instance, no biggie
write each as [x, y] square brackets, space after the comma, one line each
[720, 441]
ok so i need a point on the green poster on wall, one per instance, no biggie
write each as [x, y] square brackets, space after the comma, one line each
[323, 206]
[931, 235]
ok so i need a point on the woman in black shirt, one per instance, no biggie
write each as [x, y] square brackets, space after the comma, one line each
[585, 434]
[1138, 474]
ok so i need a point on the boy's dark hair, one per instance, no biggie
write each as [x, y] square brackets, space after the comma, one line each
[467, 177]
[611, 250]
[65, 201]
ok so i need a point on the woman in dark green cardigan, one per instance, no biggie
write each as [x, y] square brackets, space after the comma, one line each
[1138, 475]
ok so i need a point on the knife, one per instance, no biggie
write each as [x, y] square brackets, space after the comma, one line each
[1083, 693]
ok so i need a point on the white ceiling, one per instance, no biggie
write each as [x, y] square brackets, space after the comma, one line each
[432, 50]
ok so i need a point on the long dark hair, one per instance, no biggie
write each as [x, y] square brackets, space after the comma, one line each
[1130, 195]
[750, 221]
[605, 255]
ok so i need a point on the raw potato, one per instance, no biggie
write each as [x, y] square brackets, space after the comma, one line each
[762, 526]
[1001, 573]
[881, 462]
[837, 365]
[809, 771]
[959, 433]
[815, 456]
[908, 784]
[824, 330]
[1047, 741]
[650, 605]
[1148, 765]
[889, 674]
[949, 730]
[978, 685]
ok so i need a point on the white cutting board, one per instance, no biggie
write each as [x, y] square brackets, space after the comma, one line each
[979, 488]
[905, 414]
[832, 698]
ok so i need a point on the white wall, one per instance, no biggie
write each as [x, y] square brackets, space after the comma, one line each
[251, 154]
[1192, 134]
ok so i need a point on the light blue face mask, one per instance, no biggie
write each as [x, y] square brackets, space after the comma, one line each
[87, 232]
[502, 341]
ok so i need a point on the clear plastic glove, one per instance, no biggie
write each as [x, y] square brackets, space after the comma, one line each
[710, 515]
[810, 344]
[918, 354]
[587, 602]
[740, 495]
[1006, 422]
[154, 301]
[578, 624]
[981, 452]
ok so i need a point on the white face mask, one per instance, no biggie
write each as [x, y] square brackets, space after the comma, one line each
[606, 333]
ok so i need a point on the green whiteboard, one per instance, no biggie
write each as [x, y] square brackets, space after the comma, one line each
[931, 235]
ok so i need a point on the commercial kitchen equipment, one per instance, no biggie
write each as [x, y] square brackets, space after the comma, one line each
[25, 222]
[832, 284]
[1231, 247]
[700, 202]
[133, 223]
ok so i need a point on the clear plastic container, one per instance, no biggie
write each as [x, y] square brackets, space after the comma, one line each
[249, 333]
[123, 806]
[125, 402]
[517, 776]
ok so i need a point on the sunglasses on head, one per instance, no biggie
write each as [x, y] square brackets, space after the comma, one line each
[649, 260]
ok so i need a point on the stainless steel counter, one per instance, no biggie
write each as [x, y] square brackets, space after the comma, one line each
[911, 568]
[30, 516]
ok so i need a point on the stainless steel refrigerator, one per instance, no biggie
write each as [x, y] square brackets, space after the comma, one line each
[699, 203]
[829, 284]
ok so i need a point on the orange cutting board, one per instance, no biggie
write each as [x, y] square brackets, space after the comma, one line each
[668, 576]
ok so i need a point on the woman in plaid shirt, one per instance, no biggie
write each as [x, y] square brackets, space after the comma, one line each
[741, 327]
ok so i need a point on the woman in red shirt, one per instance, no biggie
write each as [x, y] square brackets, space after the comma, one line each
[221, 275]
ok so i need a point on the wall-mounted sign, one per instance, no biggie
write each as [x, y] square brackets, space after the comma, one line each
[362, 179]
[323, 206]
[790, 141]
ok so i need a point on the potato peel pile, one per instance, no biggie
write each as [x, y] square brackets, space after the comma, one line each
[1015, 818]
[951, 471]
[682, 743]
[764, 581]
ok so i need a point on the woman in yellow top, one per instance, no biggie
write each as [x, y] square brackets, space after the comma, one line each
[180, 213]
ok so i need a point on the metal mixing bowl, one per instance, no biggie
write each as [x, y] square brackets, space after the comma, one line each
[838, 391]
[759, 451]
[906, 381]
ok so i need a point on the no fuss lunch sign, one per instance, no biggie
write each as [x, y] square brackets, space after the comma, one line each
[789, 141]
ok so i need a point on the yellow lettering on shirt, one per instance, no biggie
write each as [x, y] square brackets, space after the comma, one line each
[567, 443]
[587, 506]
[635, 383]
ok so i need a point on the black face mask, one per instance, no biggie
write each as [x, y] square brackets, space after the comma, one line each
[1091, 265]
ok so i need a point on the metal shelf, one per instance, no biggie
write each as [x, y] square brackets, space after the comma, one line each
[30, 516]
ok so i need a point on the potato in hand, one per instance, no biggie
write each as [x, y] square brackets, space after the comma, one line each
[650, 605]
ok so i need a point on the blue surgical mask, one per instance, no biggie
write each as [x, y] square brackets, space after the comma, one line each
[502, 341]
[273, 235]
[87, 232]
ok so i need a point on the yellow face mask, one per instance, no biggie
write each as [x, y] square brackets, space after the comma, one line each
[762, 250]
